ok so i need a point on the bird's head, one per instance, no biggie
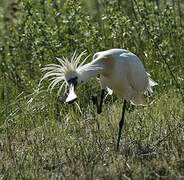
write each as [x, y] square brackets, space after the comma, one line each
[66, 73]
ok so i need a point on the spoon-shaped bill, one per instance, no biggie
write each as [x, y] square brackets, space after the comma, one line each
[71, 95]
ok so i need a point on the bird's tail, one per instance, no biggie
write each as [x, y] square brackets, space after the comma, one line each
[140, 98]
[151, 83]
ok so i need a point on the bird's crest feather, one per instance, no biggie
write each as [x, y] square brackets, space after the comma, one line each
[58, 73]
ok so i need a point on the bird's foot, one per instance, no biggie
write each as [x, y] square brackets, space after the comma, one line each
[99, 111]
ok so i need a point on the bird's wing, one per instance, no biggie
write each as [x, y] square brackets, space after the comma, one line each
[136, 74]
[138, 78]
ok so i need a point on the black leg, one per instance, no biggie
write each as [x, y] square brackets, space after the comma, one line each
[121, 123]
[95, 101]
[99, 108]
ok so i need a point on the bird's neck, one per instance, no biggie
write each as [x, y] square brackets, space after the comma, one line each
[90, 70]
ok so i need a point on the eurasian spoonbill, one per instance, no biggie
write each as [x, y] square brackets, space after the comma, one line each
[119, 70]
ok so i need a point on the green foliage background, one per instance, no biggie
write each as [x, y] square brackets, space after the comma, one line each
[42, 138]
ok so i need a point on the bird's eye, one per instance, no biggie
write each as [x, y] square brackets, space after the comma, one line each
[72, 80]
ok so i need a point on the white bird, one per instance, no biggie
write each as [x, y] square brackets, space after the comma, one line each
[119, 70]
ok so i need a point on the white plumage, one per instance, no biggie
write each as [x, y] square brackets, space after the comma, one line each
[124, 73]
[119, 70]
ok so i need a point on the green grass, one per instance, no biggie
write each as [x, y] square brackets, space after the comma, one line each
[47, 139]
[34, 144]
